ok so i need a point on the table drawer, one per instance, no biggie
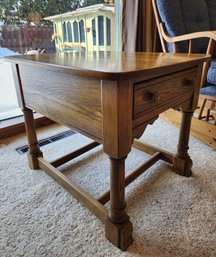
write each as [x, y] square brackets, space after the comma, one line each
[154, 93]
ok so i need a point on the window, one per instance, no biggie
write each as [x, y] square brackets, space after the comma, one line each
[101, 30]
[70, 39]
[108, 31]
[15, 40]
[82, 32]
[34, 32]
[64, 32]
[94, 32]
[76, 32]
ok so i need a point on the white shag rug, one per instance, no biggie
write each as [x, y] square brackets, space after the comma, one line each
[172, 216]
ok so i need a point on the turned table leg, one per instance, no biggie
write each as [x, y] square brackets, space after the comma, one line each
[34, 150]
[118, 226]
[182, 162]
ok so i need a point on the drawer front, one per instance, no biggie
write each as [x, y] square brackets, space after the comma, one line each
[162, 91]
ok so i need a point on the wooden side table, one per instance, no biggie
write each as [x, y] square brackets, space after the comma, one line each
[111, 98]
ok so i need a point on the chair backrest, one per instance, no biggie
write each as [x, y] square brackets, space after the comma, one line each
[186, 16]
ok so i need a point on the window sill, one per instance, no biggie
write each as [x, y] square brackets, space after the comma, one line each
[16, 126]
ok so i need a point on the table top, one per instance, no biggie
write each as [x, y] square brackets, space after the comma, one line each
[111, 64]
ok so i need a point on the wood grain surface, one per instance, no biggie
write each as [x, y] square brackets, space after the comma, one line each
[114, 65]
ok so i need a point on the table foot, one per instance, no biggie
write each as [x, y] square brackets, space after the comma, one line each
[182, 166]
[119, 234]
[118, 226]
[182, 162]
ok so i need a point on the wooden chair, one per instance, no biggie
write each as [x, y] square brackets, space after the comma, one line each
[188, 26]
